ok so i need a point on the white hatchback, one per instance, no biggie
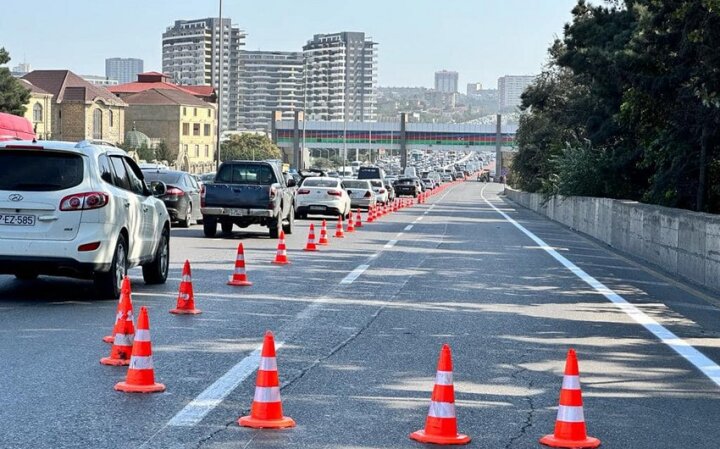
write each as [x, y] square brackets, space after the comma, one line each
[323, 196]
[79, 210]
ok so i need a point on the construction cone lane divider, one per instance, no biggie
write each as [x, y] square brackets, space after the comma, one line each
[281, 257]
[350, 225]
[441, 423]
[239, 277]
[141, 373]
[323, 235]
[339, 234]
[186, 297]
[570, 430]
[371, 214]
[124, 289]
[266, 411]
[311, 246]
[358, 220]
[123, 334]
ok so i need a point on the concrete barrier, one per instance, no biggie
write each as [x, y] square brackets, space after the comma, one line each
[683, 243]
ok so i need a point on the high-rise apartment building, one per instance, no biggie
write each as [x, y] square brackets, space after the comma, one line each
[474, 88]
[341, 77]
[269, 81]
[446, 82]
[124, 70]
[191, 56]
[510, 88]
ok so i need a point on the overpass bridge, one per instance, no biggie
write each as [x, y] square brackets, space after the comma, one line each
[367, 140]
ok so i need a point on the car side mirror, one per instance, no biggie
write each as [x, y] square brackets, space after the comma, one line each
[158, 188]
[291, 182]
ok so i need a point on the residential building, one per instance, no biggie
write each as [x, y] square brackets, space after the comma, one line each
[80, 110]
[341, 77]
[474, 88]
[124, 70]
[21, 69]
[183, 121]
[510, 88]
[99, 80]
[191, 52]
[39, 110]
[446, 82]
[269, 81]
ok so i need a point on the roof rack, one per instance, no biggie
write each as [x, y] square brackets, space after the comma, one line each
[85, 143]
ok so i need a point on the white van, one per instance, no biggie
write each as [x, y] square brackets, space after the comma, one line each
[410, 172]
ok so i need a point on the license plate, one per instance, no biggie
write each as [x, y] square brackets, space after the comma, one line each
[239, 212]
[17, 220]
[317, 207]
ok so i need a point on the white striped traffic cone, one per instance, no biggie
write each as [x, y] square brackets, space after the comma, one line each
[141, 372]
[239, 277]
[281, 257]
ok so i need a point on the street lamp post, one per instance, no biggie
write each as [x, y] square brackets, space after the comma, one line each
[219, 93]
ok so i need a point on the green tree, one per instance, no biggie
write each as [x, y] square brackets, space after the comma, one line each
[145, 152]
[249, 147]
[13, 95]
[164, 153]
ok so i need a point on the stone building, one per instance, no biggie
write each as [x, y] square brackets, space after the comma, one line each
[39, 110]
[80, 110]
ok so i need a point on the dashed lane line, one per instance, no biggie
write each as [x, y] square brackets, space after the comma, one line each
[354, 274]
[683, 348]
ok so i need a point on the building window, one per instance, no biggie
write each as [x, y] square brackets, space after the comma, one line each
[111, 118]
[196, 129]
[207, 130]
[97, 124]
[184, 111]
[194, 112]
[185, 149]
[207, 150]
[186, 129]
[197, 150]
[37, 113]
[209, 112]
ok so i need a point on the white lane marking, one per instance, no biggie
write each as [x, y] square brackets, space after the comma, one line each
[213, 395]
[374, 256]
[683, 348]
[390, 244]
[408, 227]
[354, 274]
[400, 234]
[419, 219]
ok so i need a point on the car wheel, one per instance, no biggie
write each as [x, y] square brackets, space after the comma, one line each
[274, 226]
[26, 276]
[156, 272]
[209, 227]
[108, 284]
[188, 217]
[288, 228]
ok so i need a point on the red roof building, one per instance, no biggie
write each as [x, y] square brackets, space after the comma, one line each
[160, 81]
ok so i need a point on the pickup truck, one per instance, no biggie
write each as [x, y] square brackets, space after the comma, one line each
[246, 193]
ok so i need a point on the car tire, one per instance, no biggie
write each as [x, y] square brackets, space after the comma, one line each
[156, 272]
[108, 284]
[26, 276]
[227, 227]
[210, 227]
[188, 217]
[275, 226]
[288, 228]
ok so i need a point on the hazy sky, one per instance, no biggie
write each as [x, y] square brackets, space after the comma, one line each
[480, 39]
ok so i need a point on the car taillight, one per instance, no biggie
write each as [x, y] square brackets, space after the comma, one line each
[89, 247]
[273, 192]
[381, 191]
[368, 194]
[174, 191]
[84, 201]
[334, 192]
[303, 192]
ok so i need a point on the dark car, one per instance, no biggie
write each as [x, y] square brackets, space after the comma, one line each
[182, 197]
[408, 186]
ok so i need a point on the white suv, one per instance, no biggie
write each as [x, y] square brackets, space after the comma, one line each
[79, 210]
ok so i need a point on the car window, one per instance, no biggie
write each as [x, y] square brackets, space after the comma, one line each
[356, 185]
[310, 182]
[166, 177]
[36, 171]
[137, 185]
[376, 183]
[120, 176]
[193, 183]
[105, 170]
[369, 173]
[246, 174]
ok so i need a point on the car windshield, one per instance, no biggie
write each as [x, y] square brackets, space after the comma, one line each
[369, 173]
[356, 185]
[315, 182]
[406, 181]
[376, 183]
[39, 171]
[166, 177]
[246, 174]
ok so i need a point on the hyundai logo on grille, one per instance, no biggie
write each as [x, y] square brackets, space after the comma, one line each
[15, 197]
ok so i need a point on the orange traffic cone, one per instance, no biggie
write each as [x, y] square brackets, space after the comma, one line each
[351, 225]
[186, 298]
[266, 411]
[311, 246]
[123, 333]
[371, 214]
[281, 257]
[358, 220]
[239, 277]
[124, 289]
[441, 423]
[339, 234]
[323, 234]
[141, 374]
[570, 431]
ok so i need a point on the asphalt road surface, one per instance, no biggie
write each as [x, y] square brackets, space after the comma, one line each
[359, 327]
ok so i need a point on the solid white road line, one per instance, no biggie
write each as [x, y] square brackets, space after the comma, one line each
[390, 244]
[354, 274]
[408, 227]
[688, 352]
